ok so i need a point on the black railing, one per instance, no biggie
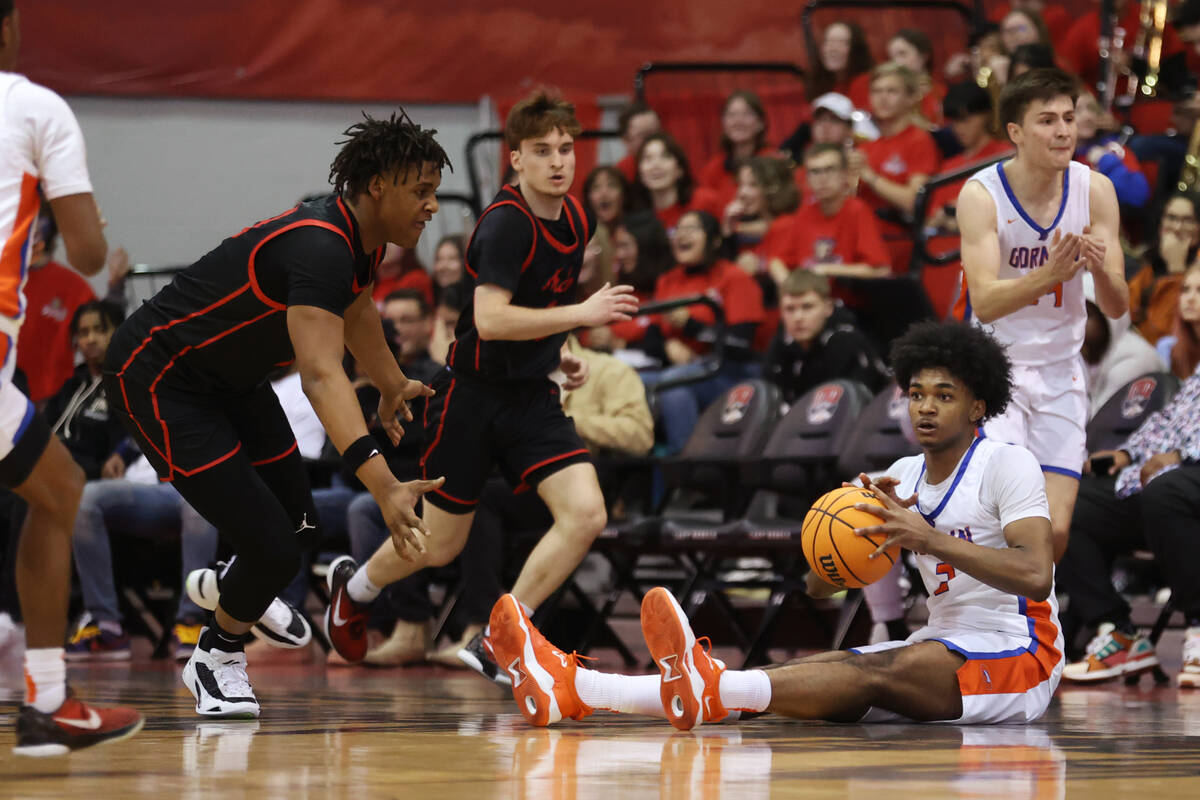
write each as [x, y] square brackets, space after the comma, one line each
[712, 362]
[918, 230]
[476, 190]
[676, 67]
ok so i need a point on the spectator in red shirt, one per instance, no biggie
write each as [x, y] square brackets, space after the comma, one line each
[665, 183]
[52, 295]
[635, 122]
[837, 234]
[401, 269]
[606, 193]
[743, 134]
[970, 113]
[892, 169]
[758, 220]
[641, 253]
[691, 332]
[1057, 18]
[844, 56]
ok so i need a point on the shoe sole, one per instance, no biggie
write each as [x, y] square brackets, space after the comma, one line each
[1188, 680]
[512, 642]
[669, 636]
[227, 710]
[1136, 667]
[201, 586]
[117, 655]
[44, 750]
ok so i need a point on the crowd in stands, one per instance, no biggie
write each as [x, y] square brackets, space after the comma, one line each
[788, 238]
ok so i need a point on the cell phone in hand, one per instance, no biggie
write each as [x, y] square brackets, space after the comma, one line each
[1102, 464]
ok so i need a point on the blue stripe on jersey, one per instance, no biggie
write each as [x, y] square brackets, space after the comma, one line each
[1022, 605]
[1043, 233]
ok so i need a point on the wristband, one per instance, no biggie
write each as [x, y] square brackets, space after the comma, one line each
[359, 452]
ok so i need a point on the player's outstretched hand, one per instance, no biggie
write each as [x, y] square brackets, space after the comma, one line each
[394, 406]
[575, 369]
[888, 484]
[902, 527]
[399, 513]
[1066, 257]
[608, 305]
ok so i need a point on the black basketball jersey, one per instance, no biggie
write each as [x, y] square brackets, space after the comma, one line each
[220, 326]
[538, 261]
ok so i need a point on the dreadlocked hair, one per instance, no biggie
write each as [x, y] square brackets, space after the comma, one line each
[378, 146]
[966, 351]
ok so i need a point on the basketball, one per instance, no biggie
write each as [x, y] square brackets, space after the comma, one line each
[836, 554]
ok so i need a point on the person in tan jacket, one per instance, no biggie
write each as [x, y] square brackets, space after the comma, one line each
[610, 410]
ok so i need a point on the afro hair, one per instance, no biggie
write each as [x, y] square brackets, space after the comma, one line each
[967, 352]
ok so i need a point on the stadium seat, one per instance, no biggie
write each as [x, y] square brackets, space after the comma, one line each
[877, 440]
[1128, 408]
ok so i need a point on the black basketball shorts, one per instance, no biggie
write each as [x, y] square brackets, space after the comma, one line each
[472, 426]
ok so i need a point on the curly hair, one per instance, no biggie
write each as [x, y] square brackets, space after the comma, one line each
[378, 146]
[967, 352]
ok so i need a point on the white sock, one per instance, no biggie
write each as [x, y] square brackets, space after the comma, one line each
[624, 694]
[45, 678]
[748, 690]
[361, 589]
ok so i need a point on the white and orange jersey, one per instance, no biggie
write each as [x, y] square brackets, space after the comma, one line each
[1050, 329]
[40, 145]
[993, 485]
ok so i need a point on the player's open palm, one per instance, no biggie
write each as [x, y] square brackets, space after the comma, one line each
[398, 505]
[902, 527]
[393, 407]
[1066, 255]
[608, 305]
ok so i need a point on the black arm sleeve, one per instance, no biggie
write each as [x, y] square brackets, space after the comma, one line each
[308, 266]
[499, 247]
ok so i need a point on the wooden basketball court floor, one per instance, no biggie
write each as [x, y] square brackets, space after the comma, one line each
[437, 734]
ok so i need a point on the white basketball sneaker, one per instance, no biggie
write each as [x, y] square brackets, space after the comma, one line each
[281, 626]
[218, 682]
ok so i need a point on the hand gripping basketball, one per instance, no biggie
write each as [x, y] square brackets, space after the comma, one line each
[903, 528]
[829, 540]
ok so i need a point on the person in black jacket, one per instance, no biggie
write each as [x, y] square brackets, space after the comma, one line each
[813, 345]
[79, 410]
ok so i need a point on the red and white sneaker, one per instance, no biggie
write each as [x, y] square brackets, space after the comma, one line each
[691, 677]
[345, 620]
[543, 677]
[73, 726]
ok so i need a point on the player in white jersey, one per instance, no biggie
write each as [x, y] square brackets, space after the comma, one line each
[41, 150]
[975, 516]
[1030, 226]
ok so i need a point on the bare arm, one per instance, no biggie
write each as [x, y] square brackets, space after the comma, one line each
[901, 195]
[364, 339]
[78, 220]
[497, 318]
[1024, 568]
[1112, 292]
[992, 298]
[852, 270]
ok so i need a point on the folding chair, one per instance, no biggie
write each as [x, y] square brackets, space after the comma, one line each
[1122, 413]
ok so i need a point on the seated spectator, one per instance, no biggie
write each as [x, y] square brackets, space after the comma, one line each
[1114, 353]
[1154, 288]
[970, 115]
[448, 260]
[835, 120]
[449, 308]
[53, 293]
[641, 253]
[984, 55]
[665, 184]
[1147, 497]
[757, 221]
[913, 49]
[635, 122]
[401, 269]
[743, 135]
[412, 321]
[691, 332]
[606, 193]
[1055, 16]
[1023, 25]
[1181, 350]
[890, 170]
[1100, 149]
[810, 348]
[844, 57]
[140, 507]
[836, 234]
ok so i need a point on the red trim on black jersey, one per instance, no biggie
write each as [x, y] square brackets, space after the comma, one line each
[266, 221]
[557, 245]
[316, 223]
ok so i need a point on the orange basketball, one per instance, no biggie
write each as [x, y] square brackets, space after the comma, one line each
[833, 550]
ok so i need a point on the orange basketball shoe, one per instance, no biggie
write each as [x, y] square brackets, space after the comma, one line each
[73, 726]
[543, 677]
[691, 677]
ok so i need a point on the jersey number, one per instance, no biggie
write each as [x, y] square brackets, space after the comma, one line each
[1057, 292]
[944, 569]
